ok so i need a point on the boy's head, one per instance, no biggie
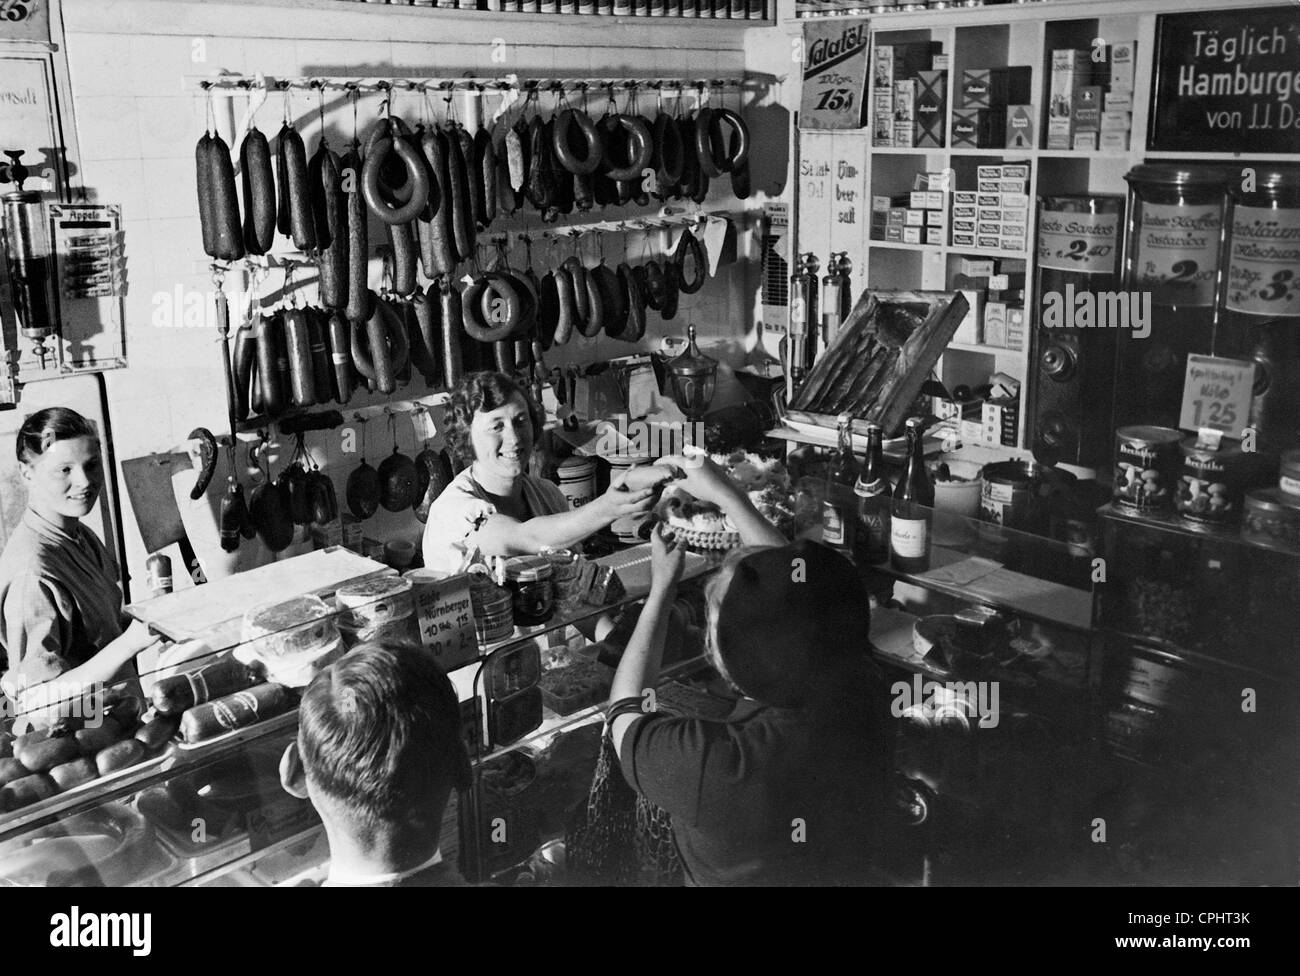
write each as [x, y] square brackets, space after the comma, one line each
[379, 746]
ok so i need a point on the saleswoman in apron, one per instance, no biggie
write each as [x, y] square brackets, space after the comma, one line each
[60, 604]
[494, 505]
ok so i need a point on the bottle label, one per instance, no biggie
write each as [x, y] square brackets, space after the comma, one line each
[833, 527]
[1289, 485]
[908, 536]
[1082, 242]
[1178, 253]
[1264, 262]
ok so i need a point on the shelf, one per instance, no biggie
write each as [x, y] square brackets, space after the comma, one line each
[987, 252]
[1097, 154]
[1009, 154]
[899, 150]
[900, 246]
[983, 350]
[1057, 10]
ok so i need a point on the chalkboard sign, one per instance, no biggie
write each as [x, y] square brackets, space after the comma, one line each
[1227, 81]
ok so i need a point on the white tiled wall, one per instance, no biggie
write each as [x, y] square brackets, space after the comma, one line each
[138, 115]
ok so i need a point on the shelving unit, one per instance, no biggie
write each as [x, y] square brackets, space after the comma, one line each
[1008, 35]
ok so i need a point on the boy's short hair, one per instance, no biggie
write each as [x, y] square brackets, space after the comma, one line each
[379, 732]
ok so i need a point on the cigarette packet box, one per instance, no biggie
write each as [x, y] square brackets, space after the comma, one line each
[962, 239]
[1116, 121]
[1015, 171]
[1123, 55]
[912, 235]
[995, 87]
[883, 74]
[963, 210]
[1016, 245]
[973, 128]
[1020, 127]
[931, 107]
[1086, 111]
[914, 218]
[1015, 200]
[934, 218]
[905, 100]
[963, 197]
[988, 227]
[995, 324]
[880, 202]
[917, 199]
[971, 431]
[988, 186]
[976, 267]
[1084, 142]
[1012, 186]
[1059, 133]
[988, 214]
[934, 200]
[904, 134]
[941, 62]
[1018, 215]
[968, 331]
[934, 235]
[988, 172]
[1015, 328]
[988, 200]
[894, 234]
[990, 242]
[963, 226]
[1114, 140]
[1114, 101]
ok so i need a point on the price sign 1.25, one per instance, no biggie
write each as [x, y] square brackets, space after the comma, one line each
[1217, 394]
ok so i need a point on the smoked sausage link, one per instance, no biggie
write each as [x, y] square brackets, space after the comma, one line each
[358, 217]
[302, 225]
[258, 182]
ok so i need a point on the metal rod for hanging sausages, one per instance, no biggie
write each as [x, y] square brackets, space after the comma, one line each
[230, 86]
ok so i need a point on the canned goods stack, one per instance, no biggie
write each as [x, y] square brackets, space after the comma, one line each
[378, 609]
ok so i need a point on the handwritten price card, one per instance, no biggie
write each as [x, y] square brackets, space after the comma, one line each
[446, 618]
[1217, 394]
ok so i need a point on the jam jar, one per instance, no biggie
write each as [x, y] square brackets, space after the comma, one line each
[529, 579]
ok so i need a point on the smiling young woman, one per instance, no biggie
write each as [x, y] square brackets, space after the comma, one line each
[494, 504]
[60, 605]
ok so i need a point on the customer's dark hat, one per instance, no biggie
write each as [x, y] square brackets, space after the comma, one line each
[793, 621]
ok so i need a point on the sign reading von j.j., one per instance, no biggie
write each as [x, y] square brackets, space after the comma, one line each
[1228, 81]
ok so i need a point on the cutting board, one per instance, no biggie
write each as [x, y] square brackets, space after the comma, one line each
[214, 612]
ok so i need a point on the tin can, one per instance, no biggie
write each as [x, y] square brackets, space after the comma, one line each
[1289, 480]
[1209, 491]
[1146, 464]
[1271, 519]
[529, 581]
[1006, 497]
[578, 480]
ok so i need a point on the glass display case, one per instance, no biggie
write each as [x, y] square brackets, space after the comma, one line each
[192, 802]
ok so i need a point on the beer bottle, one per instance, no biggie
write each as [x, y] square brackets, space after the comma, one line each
[872, 492]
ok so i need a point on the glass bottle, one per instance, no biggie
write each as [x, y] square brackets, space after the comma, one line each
[912, 509]
[839, 507]
[872, 492]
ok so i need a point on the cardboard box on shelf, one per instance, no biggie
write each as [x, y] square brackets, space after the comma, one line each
[934, 235]
[965, 197]
[912, 235]
[976, 268]
[1123, 55]
[883, 72]
[988, 186]
[963, 226]
[988, 172]
[987, 215]
[934, 218]
[941, 62]
[989, 242]
[994, 326]
[1015, 328]
[1015, 171]
[931, 107]
[1018, 214]
[1114, 140]
[995, 87]
[1086, 111]
[1000, 420]
[1059, 133]
[971, 128]
[971, 431]
[1116, 121]
[1015, 200]
[1012, 186]
[962, 239]
[968, 332]
[1084, 142]
[988, 227]
[1114, 101]
[964, 211]
[935, 200]
[879, 202]
[1016, 245]
[1020, 127]
[916, 199]
[904, 134]
[989, 200]
[905, 100]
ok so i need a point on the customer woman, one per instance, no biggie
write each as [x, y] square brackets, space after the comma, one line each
[791, 788]
[494, 504]
[60, 605]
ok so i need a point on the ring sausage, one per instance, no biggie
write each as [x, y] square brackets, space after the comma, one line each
[689, 246]
[585, 162]
[637, 148]
[416, 172]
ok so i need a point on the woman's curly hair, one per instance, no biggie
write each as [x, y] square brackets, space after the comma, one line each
[477, 393]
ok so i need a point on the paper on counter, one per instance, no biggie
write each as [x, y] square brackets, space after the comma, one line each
[964, 572]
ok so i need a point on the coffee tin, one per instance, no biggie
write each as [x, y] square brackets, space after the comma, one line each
[1146, 467]
[1271, 518]
[1210, 487]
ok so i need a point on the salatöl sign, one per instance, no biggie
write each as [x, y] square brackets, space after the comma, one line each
[1228, 81]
